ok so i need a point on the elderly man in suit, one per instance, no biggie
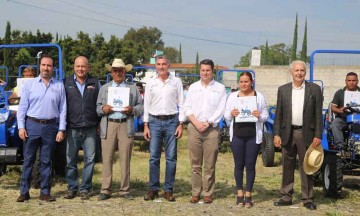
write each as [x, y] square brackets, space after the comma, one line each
[298, 124]
[117, 129]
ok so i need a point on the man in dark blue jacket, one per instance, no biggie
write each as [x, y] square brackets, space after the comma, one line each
[81, 95]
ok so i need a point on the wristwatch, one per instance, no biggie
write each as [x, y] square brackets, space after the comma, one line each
[62, 131]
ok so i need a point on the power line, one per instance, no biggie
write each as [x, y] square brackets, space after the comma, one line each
[128, 26]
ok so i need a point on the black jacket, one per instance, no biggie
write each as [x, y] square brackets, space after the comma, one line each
[81, 110]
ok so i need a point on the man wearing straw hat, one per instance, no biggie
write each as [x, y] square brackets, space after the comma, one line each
[298, 124]
[117, 129]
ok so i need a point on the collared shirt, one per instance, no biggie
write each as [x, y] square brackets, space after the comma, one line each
[117, 114]
[206, 103]
[42, 102]
[298, 96]
[80, 86]
[164, 98]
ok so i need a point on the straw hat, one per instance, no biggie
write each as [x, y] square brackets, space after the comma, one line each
[119, 63]
[313, 160]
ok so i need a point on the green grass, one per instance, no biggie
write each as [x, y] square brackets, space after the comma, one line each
[266, 190]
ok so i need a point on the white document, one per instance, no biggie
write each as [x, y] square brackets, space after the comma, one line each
[246, 105]
[352, 98]
[20, 84]
[118, 97]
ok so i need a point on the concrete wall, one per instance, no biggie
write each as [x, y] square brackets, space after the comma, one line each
[269, 78]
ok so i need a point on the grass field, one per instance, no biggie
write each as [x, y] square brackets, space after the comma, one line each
[266, 188]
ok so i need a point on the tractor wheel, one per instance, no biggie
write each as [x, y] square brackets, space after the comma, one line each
[268, 150]
[332, 175]
[2, 169]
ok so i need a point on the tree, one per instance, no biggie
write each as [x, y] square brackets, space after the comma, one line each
[7, 40]
[303, 55]
[265, 59]
[294, 46]
[148, 38]
[279, 54]
[197, 68]
[172, 54]
[180, 55]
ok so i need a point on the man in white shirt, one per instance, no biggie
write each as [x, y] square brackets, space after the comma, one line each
[204, 107]
[163, 119]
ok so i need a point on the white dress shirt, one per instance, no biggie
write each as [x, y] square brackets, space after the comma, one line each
[297, 104]
[164, 98]
[206, 103]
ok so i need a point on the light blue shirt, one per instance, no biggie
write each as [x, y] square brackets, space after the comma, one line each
[42, 102]
[80, 86]
[117, 115]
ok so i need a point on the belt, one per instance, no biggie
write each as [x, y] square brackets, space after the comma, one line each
[117, 120]
[295, 127]
[42, 121]
[164, 117]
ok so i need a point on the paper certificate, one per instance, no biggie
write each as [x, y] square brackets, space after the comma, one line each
[20, 85]
[118, 97]
[351, 98]
[246, 105]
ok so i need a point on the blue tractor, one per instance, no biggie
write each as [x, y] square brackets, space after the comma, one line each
[339, 160]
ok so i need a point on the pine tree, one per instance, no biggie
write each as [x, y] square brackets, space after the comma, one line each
[266, 54]
[180, 55]
[294, 46]
[303, 55]
[7, 40]
[197, 69]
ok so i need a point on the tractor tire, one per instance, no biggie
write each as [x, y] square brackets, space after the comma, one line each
[35, 173]
[332, 175]
[268, 150]
[2, 169]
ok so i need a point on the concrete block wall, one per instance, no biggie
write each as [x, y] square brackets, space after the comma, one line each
[269, 78]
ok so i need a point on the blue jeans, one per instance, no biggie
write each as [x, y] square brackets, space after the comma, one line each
[245, 152]
[162, 131]
[336, 127]
[76, 138]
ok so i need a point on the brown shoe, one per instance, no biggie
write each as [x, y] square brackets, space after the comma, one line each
[169, 196]
[208, 200]
[84, 196]
[23, 197]
[151, 195]
[47, 198]
[70, 195]
[194, 199]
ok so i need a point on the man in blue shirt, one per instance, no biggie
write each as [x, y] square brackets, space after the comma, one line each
[81, 94]
[41, 121]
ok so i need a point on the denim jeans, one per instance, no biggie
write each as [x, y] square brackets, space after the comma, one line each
[76, 138]
[336, 127]
[162, 131]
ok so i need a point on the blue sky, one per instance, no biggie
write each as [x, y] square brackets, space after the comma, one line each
[220, 30]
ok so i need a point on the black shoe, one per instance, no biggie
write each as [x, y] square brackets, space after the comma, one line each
[310, 205]
[23, 197]
[84, 196]
[282, 202]
[70, 195]
[103, 197]
[127, 196]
